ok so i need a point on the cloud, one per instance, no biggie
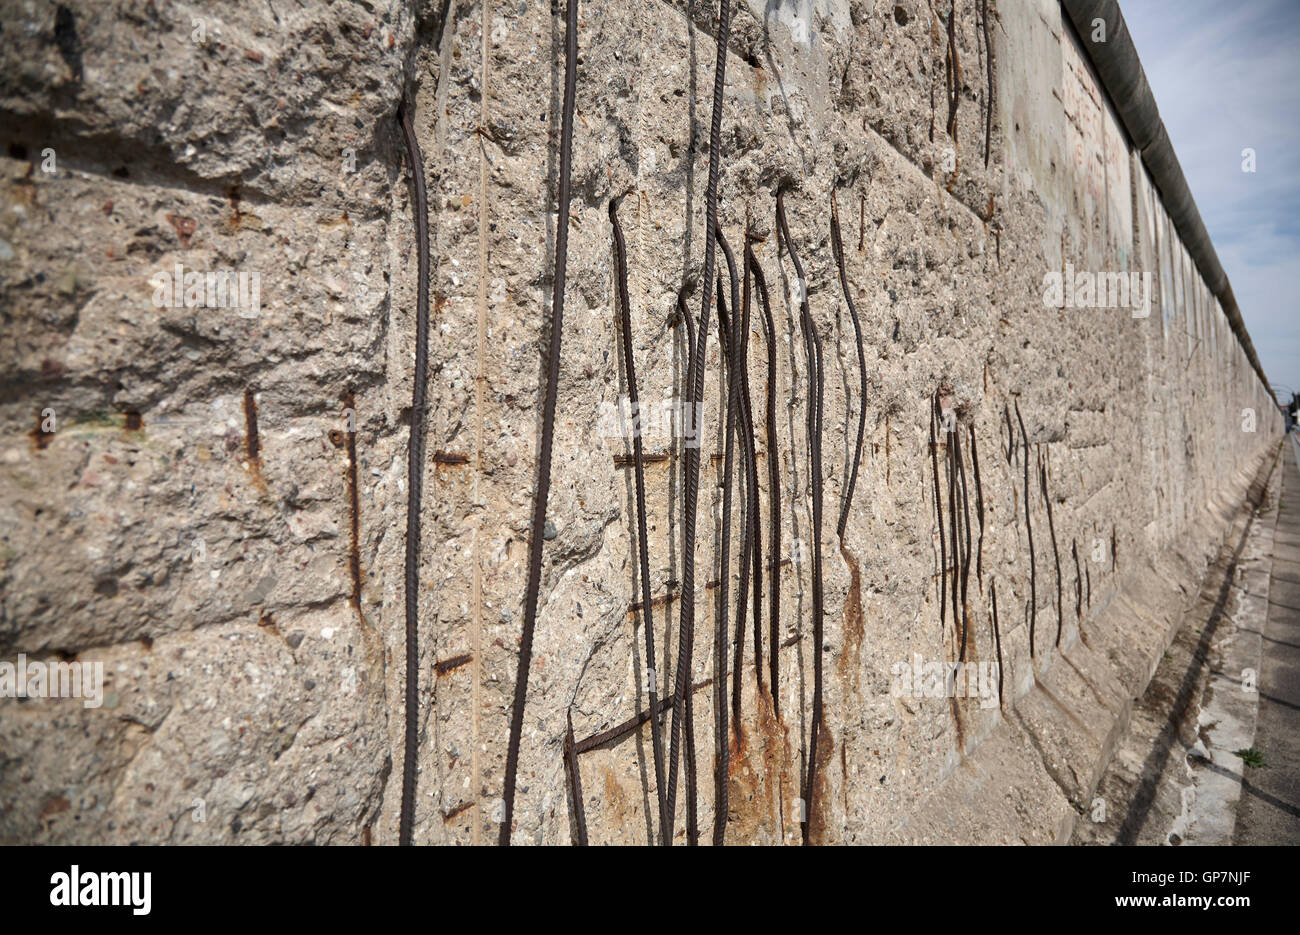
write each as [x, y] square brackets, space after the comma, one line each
[1226, 77]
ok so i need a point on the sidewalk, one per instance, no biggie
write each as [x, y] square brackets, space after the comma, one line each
[1173, 778]
[1269, 810]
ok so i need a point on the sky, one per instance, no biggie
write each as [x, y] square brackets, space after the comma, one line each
[1226, 77]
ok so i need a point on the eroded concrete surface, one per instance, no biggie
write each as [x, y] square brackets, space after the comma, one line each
[254, 682]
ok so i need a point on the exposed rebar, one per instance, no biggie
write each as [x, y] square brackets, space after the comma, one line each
[1029, 529]
[535, 536]
[735, 352]
[575, 784]
[414, 479]
[721, 745]
[773, 490]
[965, 559]
[997, 637]
[812, 344]
[686, 630]
[1051, 528]
[837, 247]
[647, 622]
[979, 507]
[938, 510]
[1078, 584]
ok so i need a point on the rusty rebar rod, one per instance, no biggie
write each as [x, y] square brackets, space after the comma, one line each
[575, 784]
[773, 490]
[1051, 528]
[721, 734]
[997, 637]
[643, 548]
[979, 507]
[938, 509]
[535, 537]
[837, 247]
[1078, 584]
[1029, 529]
[965, 562]
[414, 480]
[735, 353]
[686, 630]
[812, 344]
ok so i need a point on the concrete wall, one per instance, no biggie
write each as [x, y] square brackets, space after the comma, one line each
[255, 682]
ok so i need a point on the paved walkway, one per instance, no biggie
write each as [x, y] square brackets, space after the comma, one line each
[1269, 810]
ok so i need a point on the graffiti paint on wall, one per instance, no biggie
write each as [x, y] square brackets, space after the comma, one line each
[1099, 158]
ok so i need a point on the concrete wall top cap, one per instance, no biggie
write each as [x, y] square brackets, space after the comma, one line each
[1120, 71]
[1116, 60]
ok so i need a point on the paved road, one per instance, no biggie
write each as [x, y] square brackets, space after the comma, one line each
[1269, 812]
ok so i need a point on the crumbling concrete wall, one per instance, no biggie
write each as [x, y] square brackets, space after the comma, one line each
[211, 501]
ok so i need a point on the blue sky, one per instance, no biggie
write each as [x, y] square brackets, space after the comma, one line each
[1226, 76]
